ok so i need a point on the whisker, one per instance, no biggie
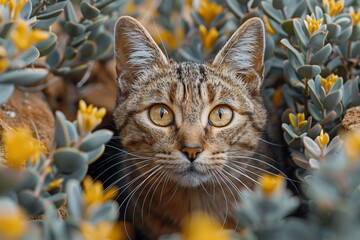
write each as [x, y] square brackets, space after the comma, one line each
[271, 143]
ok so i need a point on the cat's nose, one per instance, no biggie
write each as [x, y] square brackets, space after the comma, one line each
[192, 152]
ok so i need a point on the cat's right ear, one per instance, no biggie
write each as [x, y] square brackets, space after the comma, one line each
[136, 52]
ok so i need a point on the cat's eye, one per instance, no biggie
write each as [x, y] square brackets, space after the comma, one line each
[161, 115]
[220, 116]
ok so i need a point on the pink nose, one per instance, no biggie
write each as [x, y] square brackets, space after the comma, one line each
[192, 152]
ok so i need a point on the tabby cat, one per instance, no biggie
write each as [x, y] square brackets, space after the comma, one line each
[190, 131]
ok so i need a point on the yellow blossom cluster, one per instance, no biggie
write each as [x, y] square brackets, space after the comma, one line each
[298, 121]
[4, 63]
[352, 144]
[328, 82]
[271, 184]
[208, 11]
[355, 17]
[208, 38]
[312, 23]
[13, 222]
[172, 39]
[31, 148]
[268, 26]
[14, 7]
[89, 117]
[332, 7]
[24, 37]
[94, 192]
[199, 226]
[101, 230]
[323, 139]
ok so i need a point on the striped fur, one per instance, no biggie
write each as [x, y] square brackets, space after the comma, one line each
[161, 189]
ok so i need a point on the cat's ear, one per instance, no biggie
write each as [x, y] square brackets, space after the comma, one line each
[136, 52]
[243, 54]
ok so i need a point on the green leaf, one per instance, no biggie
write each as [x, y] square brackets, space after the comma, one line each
[296, 59]
[44, 45]
[6, 90]
[88, 11]
[309, 71]
[271, 12]
[332, 99]
[9, 178]
[311, 146]
[334, 30]
[300, 34]
[52, 11]
[87, 50]
[95, 154]
[68, 160]
[106, 212]
[317, 41]
[62, 138]
[321, 56]
[74, 29]
[288, 26]
[70, 14]
[74, 202]
[31, 203]
[23, 77]
[95, 140]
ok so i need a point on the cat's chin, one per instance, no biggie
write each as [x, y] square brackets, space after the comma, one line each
[191, 178]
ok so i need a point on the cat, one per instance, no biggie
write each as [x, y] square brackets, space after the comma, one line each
[189, 132]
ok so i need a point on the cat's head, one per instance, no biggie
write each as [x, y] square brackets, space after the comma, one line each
[189, 119]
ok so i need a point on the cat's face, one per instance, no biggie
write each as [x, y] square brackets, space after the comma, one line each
[189, 119]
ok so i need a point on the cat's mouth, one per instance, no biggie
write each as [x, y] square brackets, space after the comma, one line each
[191, 177]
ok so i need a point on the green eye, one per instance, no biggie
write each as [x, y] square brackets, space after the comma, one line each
[220, 116]
[161, 115]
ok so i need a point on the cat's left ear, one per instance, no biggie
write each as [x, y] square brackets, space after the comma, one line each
[136, 52]
[243, 54]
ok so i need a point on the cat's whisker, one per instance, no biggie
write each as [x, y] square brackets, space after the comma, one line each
[127, 167]
[157, 177]
[225, 200]
[167, 179]
[165, 175]
[283, 175]
[257, 153]
[132, 193]
[129, 153]
[271, 143]
[142, 190]
[113, 157]
[237, 179]
[224, 177]
[126, 175]
[203, 188]
[247, 170]
[176, 188]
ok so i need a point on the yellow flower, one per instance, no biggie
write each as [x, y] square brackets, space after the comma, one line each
[24, 37]
[208, 11]
[102, 230]
[323, 139]
[171, 39]
[355, 17]
[4, 63]
[298, 121]
[130, 8]
[312, 24]
[277, 97]
[328, 82]
[20, 4]
[89, 117]
[20, 146]
[271, 184]
[268, 26]
[332, 7]
[94, 192]
[13, 222]
[3, 2]
[208, 38]
[56, 183]
[199, 226]
[352, 144]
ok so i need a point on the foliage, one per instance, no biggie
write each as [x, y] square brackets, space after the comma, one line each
[312, 68]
